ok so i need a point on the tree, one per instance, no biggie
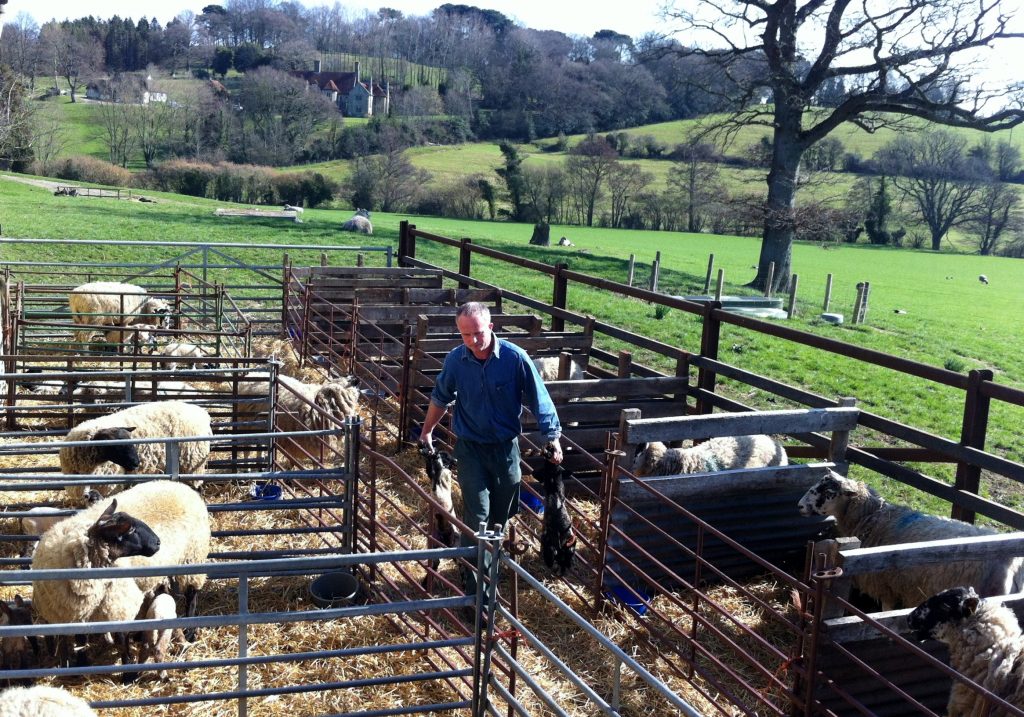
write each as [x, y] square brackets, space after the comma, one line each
[118, 118]
[20, 48]
[223, 57]
[154, 124]
[512, 173]
[625, 182]
[889, 56]
[588, 166]
[933, 171]
[16, 122]
[694, 181]
[543, 192]
[76, 56]
[995, 211]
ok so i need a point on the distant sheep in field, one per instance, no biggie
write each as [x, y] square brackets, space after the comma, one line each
[716, 454]
[565, 242]
[983, 279]
[290, 208]
[360, 223]
[174, 419]
[985, 644]
[860, 512]
[111, 303]
[547, 367]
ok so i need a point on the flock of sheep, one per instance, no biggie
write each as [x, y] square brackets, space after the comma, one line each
[152, 523]
[165, 522]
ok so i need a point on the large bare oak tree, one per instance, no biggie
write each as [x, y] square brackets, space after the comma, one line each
[896, 59]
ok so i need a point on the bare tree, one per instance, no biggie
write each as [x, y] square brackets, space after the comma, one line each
[995, 212]
[933, 171]
[154, 124]
[20, 47]
[625, 183]
[76, 56]
[118, 118]
[16, 121]
[543, 190]
[694, 180]
[904, 58]
[588, 166]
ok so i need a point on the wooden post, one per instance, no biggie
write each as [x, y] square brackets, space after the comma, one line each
[864, 303]
[972, 435]
[719, 284]
[793, 282]
[709, 340]
[403, 232]
[856, 304]
[360, 259]
[559, 296]
[323, 258]
[632, 268]
[707, 279]
[828, 293]
[465, 259]
[771, 278]
[655, 268]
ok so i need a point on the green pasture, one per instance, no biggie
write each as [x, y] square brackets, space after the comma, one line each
[924, 306]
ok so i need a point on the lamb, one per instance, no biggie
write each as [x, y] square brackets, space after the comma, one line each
[715, 454]
[14, 651]
[112, 303]
[983, 279]
[178, 349]
[547, 367]
[130, 333]
[95, 537]
[859, 511]
[292, 208]
[558, 541]
[564, 241]
[146, 420]
[439, 470]
[97, 393]
[156, 642]
[985, 645]
[42, 701]
[360, 222]
[160, 518]
[336, 398]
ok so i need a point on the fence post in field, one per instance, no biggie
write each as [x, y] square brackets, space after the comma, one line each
[856, 304]
[972, 435]
[709, 340]
[769, 280]
[864, 303]
[828, 293]
[719, 284]
[360, 259]
[559, 296]
[323, 258]
[793, 282]
[632, 268]
[403, 230]
[707, 278]
[465, 259]
[285, 280]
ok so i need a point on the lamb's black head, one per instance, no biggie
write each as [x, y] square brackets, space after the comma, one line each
[124, 535]
[436, 462]
[949, 606]
[552, 476]
[125, 455]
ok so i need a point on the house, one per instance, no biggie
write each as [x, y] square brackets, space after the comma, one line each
[127, 89]
[353, 96]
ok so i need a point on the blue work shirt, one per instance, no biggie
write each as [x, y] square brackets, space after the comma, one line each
[489, 395]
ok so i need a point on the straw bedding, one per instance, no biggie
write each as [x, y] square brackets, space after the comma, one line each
[290, 593]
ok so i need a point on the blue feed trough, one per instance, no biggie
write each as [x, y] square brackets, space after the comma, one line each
[624, 596]
[265, 491]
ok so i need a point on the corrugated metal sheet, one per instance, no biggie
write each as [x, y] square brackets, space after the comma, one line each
[758, 509]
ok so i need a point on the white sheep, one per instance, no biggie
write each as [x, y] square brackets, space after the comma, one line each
[147, 420]
[97, 393]
[292, 208]
[42, 701]
[716, 454]
[983, 279]
[180, 349]
[564, 241]
[547, 367]
[156, 523]
[93, 538]
[360, 222]
[336, 398]
[859, 511]
[156, 642]
[130, 333]
[112, 303]
[985, 645]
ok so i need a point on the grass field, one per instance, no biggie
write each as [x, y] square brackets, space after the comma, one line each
[955, 321]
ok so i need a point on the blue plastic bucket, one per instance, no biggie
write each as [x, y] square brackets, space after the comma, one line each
[624, 596]
[265, 491]
[531, 501]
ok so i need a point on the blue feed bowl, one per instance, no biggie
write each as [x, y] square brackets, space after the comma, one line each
[265, 491]
[532, 502]
[622, 595]
[337, 589]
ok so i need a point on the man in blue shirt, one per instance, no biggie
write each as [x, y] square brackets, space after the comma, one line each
[489, 380]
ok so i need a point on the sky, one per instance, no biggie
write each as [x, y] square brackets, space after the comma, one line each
[574, 17]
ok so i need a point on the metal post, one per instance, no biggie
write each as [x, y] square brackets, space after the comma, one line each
[617, 678]
[243, 643]
[707, 279]
[489, 541]
[352, 424]
[172, 460]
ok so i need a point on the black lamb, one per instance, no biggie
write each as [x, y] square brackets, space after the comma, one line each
[557, 541]
[439, 470]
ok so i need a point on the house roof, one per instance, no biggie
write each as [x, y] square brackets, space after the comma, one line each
[343, 82]
[330, 86]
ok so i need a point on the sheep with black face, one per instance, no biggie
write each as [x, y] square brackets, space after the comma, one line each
[558, 541]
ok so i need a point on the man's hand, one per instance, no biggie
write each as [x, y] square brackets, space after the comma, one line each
[553, 451]
[427, 441]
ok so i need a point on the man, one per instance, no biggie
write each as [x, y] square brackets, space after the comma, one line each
[489, 380]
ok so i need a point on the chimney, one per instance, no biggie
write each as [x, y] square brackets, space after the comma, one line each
[357, 72]
[316, 66]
